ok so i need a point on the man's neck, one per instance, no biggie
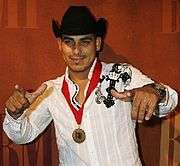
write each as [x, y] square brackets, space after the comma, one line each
[78, 77]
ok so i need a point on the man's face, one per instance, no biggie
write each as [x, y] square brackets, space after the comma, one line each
[79, 51]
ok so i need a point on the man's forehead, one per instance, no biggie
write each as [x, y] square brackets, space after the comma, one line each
[78, 36]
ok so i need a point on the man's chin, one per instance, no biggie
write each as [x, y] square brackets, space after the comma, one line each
[77, 68]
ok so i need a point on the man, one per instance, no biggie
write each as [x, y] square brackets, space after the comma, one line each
[94, 105]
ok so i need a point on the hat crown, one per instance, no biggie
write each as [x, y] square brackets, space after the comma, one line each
[78, 20]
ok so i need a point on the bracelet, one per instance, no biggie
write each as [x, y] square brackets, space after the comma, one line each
[160, 90]
[14, 115]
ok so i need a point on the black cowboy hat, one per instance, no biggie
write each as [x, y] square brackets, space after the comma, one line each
[78, 20]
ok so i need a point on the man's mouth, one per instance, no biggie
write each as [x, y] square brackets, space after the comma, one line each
[77, 58]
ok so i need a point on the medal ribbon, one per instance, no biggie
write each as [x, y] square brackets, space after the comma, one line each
[92, 85]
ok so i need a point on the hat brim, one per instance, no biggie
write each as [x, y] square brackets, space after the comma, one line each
[56, 28]
[101, 29]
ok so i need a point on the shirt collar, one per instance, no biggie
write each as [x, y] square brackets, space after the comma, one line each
[89, 75]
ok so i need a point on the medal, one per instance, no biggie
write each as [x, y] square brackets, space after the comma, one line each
[79, 135]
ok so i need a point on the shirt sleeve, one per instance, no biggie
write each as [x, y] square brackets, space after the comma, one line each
[30, 124]
[138, 79]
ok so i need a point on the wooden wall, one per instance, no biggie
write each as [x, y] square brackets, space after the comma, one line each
[143, 33]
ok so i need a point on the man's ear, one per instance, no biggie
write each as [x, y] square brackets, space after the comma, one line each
[98, 43]
[59, 44]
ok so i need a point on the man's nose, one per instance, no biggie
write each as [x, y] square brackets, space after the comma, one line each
[77, 48]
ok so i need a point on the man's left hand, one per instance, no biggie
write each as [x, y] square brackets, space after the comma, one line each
[144, 101]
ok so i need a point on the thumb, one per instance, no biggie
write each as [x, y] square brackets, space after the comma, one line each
[124, 96]
[20, 89]
[33, 96]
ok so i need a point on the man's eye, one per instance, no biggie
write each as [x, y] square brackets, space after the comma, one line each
[85, 42]
[68, 42]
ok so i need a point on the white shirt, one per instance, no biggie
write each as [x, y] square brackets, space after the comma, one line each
[110, 132]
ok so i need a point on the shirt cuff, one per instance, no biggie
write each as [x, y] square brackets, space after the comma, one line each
[170, 102]
[15, 124]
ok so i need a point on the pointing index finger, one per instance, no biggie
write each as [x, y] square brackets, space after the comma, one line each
[20, 89]
[40, 90]
[125, 96]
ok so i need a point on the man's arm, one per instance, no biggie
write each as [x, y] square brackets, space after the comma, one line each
[27, 115]
[146, 98]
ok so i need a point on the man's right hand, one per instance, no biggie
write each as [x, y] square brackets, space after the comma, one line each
[21, 100]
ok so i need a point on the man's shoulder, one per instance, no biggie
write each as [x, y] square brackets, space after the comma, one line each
[113, 63]
[107, 67]
[54, 82]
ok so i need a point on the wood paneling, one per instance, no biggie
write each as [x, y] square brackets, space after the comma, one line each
[144, 33]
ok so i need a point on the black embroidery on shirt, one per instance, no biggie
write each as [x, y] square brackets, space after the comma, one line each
[102, 79]
[118, 71]
[125, 76]
[99, 95]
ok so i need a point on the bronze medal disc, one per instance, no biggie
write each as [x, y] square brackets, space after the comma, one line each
[79, 135]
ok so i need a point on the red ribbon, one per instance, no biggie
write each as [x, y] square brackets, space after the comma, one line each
[92, 85]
